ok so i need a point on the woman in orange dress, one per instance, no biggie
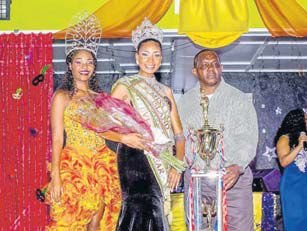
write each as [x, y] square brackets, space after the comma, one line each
[84, 192]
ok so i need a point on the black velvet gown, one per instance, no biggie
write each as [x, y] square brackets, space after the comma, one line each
[142, 206]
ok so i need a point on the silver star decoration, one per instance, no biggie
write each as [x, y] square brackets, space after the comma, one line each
[278, 111]
[263, 131]
[262, 105]
[270, 153]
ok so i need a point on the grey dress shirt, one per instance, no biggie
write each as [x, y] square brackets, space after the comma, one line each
[230, 107]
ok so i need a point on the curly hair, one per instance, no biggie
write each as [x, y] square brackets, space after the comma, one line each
[68, 81]
[292, 125]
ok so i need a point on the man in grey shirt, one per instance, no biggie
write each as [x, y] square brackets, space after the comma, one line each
[233, 109]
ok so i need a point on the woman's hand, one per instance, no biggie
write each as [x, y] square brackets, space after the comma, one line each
[55, 188]
[135, 140]
[173, 179]
[302, 138]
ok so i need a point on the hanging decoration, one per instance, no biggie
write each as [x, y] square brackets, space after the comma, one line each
[18, 93]
[283, 18]
[208, 23]
[33, 132]
[119, 17]
[211, 23]
[40, 78]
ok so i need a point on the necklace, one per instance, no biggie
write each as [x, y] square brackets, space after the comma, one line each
[84, 92]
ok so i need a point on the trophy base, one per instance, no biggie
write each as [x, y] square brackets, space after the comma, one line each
[206, 173]
[207, 200]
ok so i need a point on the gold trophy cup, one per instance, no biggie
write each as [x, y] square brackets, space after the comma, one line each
[207, 136]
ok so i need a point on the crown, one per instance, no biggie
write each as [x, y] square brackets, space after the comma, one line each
[146, 31]
[84, 33]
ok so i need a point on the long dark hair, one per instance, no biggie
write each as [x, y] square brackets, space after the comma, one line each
[292, 125]
[68, 81]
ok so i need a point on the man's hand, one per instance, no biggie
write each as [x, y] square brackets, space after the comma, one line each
[231, 176]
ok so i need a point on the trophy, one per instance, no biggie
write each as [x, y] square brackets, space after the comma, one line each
[209, 210]
[207, 136]
[206, 210]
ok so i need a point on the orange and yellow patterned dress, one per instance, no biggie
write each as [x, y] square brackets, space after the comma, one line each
[89, 177]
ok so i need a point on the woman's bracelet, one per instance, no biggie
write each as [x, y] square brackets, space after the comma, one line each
[179, 137]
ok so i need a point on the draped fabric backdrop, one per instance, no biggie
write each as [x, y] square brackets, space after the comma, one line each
[208, 23]
[119, 17]
[283, 18]
[212, 23]
[24, 128]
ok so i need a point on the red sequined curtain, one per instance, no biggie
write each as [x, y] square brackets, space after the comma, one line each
[24, 127]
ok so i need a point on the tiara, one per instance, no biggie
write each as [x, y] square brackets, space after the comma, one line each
[146, 31]
[84, 33]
